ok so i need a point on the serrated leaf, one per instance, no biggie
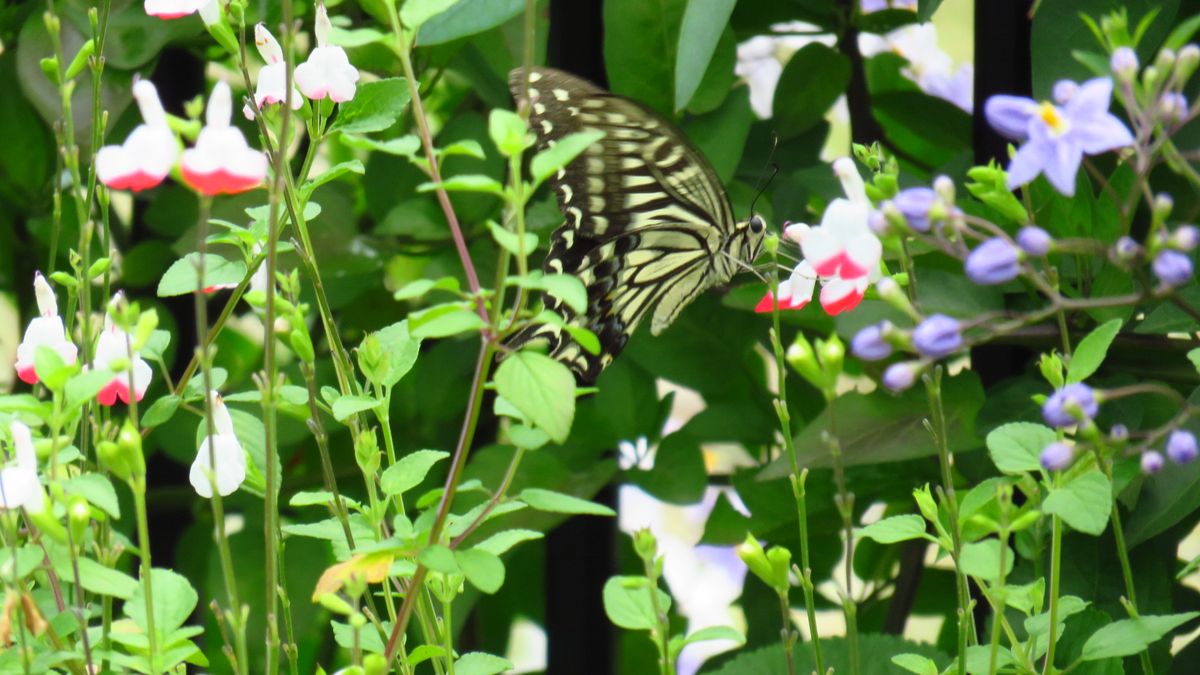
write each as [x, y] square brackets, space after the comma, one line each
[557, 502]
[482, 568]
[375, 107]
[548, 161]
[409, 471]
[541, 388]
[1130, 636]
[1084, 502]
[1017, 447]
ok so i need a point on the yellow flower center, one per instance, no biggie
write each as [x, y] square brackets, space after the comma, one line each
[1053, 118]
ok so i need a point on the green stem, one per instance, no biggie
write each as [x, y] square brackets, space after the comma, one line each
[1126, 569]
[138, 485]
[966, 622]
[1055, 569]
[786, 633]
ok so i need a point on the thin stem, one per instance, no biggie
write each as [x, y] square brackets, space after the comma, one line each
[1055, 569]
[138, 483]
[1126, 569]
[785, 611]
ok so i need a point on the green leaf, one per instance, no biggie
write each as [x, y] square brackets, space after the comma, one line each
[627, 602]
[332, 173]
[678, 475]
[501, 542]
[97, 490]
[402, 350]
[439, 559]
[981, 559]
[181, 278]
[348, 406]
[715, 633]
[416, 289]
[895, 529]
[414, 13]
[568, 288]
[1017, 447]
[404, 146]
[482, 568]
[524, 436]
[173, 602]
[466, 183]
[1194, 357]
[880, 427]
[375, 106]
[1182, 33]
[480, 663]
[161, 411]
[1084, 502]
[467, 17]
[641, 38]
[443, 321]
[1130, 636]
[556, 502]
[95, 577]
[915, 663]
[508, 131]
[811, 82]
[83, 387]
[1068, 605]
[703, 23]
[510, 242]
[548, 161]
[1090, 352]
[541, 388]
[409, 471]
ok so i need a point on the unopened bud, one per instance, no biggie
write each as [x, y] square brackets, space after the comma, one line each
[1186, 62]
[1124, 63]
[832, 353]
[366, 451]
[645, 544]
[1165, 61]
[801, 357]
[1185, 238]
[79, 516]
[943, 185]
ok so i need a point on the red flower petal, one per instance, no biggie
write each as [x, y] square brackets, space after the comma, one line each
[136, 181]
[108, 395]
[843, 304]
[28, 375]
[219, 182]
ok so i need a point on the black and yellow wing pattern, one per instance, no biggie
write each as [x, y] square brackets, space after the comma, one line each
[648, 223]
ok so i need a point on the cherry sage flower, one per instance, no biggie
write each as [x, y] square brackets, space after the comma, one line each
[19, 483]
[327, 72]
[175, 9]
[228, 471]
[46, 330]
[222, 162]
[272, 78]
[1056, 137]
[147, 155]
[841, 252]
[111, 349]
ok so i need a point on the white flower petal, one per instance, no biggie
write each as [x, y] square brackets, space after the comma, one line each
[230, 465]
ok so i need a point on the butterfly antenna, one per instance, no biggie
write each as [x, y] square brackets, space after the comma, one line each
[764, 180]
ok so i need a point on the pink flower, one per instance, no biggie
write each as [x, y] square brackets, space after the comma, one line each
[113, 348]
[46, 330]
[272, 78]
[174, 9]
[841, 252]
[147, 155]
[222, 162]
[327, 72]
[229, 468]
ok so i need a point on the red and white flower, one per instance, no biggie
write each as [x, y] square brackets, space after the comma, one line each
[327, 72]
[175, 9]
[113, 348]
[147, 155]
[842, 252]
[272, 78]
[222, 162]
[46, 330]
[220, 455]
[19, 482]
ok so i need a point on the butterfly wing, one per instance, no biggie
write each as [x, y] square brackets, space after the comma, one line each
[646, 217]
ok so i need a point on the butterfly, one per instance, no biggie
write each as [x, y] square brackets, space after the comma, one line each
[648, 223]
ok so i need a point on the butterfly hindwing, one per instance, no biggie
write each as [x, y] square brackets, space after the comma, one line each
[645, 215]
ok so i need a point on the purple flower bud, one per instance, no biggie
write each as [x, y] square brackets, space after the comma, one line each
[1064, 90]
[1124, 63]
[1172, 106]
[937, 336]
[1034, 240]
[901, 376]
[995, 261]
[1185, 237]
[1172, 268]
[1126, 249]
[870, 345]
[1073, 403]
[1181, 446]
[1057, 456]
[915, 204]
[879, 224]
[1119, 433]
[1152, 462]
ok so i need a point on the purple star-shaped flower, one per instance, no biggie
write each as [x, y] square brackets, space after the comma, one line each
[1057, 137]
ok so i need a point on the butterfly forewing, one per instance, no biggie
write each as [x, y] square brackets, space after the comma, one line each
[646, 217]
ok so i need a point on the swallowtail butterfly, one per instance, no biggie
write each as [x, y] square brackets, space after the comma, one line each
[648, 224]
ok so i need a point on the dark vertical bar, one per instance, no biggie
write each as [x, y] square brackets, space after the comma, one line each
[580, 553]
[1002, 66]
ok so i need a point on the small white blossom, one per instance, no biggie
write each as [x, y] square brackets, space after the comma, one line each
[46, 330]
[223, 447]
[222, 162]
[327, 72]
[19, 483]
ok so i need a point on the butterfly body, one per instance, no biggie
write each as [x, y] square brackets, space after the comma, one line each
[648, 224]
